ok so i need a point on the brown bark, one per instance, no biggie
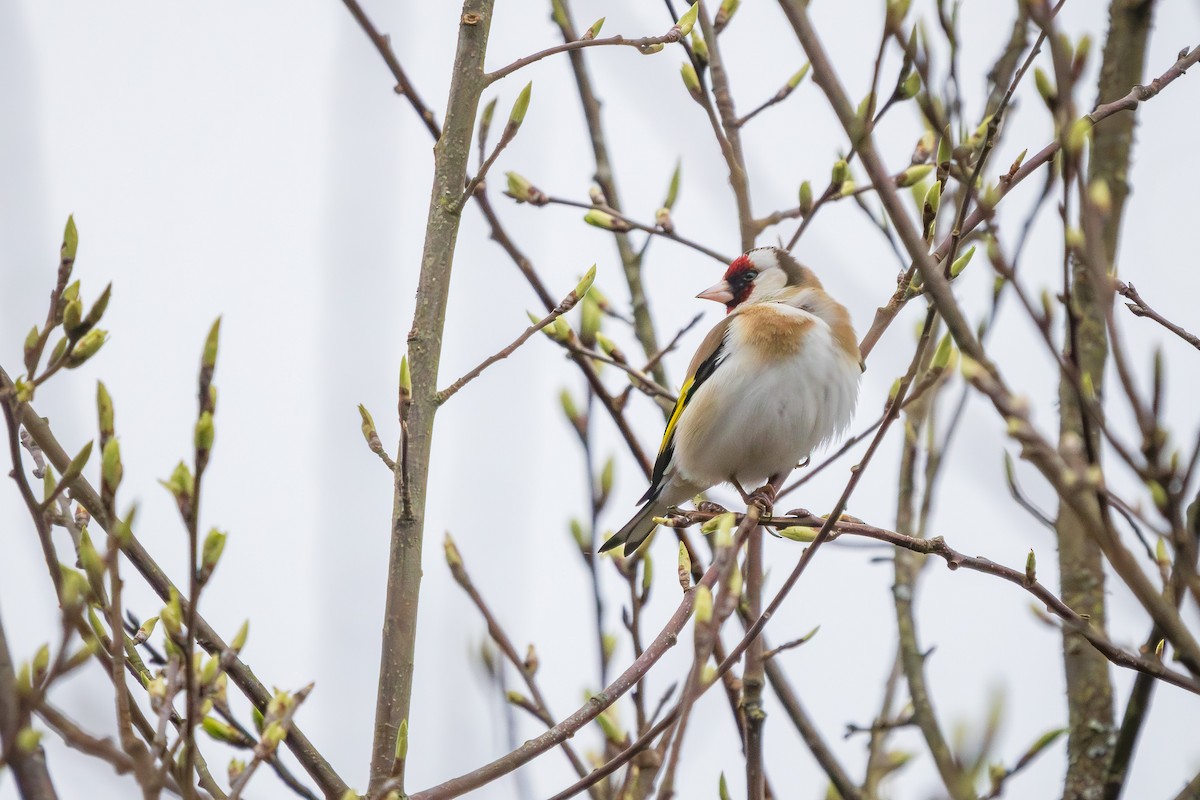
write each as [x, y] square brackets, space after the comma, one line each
[1089, 688]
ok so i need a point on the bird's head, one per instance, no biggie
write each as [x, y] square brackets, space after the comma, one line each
[762, 274]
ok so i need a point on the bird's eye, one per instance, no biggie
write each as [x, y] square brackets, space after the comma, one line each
[751, 274]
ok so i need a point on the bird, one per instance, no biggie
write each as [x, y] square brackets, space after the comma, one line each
[775, 379]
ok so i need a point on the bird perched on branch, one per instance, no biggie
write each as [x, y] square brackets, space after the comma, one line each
[776, 378]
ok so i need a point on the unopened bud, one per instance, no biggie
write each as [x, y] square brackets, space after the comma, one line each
[73, 318]
[662, 218]
[402, 741]
[104, 410]
[209, 358]
[941, 356]
[688, 20]
[239, 639]
[684, 567]
[70, 243]
[725, 13]
[585, 282]
[798, 533]
[589, 321]
[799, 76]
[145, 630]
[806, 198]
[839, 172]
[181, 484]
[87, 347]
[368, 424]
[1045, 87]
[691, 81]
[523, 191]
[96, 312]
[913, 175]
[578, 534]
[699, 47]
[703, 604]
[453, 557]
[604, 220]
[961, 262]
[205, 432]
[520, 107]
[210, 554]
[910, 86]
[111, 470]
[172, 615]
[405, 379]
[606, 477]
[594, 30]
[933, 198]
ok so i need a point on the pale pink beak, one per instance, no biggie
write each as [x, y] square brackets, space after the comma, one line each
[720, 292]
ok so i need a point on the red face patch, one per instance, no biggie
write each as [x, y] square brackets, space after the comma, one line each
[740, 277]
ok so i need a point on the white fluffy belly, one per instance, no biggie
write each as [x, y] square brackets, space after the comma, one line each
[753, 419]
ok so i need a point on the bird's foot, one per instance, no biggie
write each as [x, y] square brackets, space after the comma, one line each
[710, 507]
[764, 498]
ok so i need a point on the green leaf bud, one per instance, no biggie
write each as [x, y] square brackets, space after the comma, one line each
[1045, 87]
[210, 553]
[208, 359]
[913, 175]
[806, 198]
[594, 30]
[608, 222]
[205, 432]
[798, 533]
[961, 262]
[70, 243]
[87, 347]
[111, 470]
[684, 567]
[73, 318]
[520, 108]
[799, 75]
[688, 20]
[585, 282]
[104, 410]
[725, 13]
[691, 81]
[703, 604]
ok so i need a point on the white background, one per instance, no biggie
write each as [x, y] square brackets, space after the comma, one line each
[250, 160]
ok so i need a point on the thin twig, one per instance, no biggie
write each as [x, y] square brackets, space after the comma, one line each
[566, 305]
[1140, 308]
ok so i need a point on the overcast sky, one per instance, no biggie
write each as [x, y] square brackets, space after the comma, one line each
[250, 160]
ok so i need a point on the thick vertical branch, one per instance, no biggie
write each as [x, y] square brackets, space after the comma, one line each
[1089, 688]
[424, 354]
[28, 765]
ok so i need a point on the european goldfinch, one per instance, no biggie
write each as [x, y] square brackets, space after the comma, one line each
[776, 378]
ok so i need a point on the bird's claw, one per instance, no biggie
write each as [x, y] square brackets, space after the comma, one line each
[764, 498]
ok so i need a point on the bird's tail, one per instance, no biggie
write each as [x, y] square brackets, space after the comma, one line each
[638, 528]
